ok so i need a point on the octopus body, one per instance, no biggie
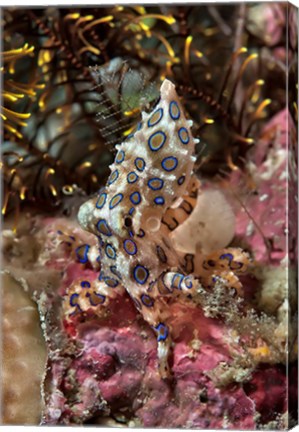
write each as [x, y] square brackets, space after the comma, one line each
[150, 191]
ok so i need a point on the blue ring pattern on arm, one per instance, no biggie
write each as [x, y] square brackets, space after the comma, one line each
[177, 281]
[228, 256]
[155, 117]
[115, 200]
[174, 110]
[110, 251]
[141, 233]
[104, 228]
[159, 200]
[130, 247]
[140, 274]
[140, 164]
[135, 198]
[162, 332]
[132, 177]
[100, 299]
[184, 135]
[120, 157]
[114, 270]
[188, 282]
[160, 139]
[147, 300]
[170, 160]
[113, 177]
[85, 284]
[82, 253]
[101, 200]
[155, 183]
[73, 299]
[110, 282]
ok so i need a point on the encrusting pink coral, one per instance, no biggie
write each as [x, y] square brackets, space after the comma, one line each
[103, 368]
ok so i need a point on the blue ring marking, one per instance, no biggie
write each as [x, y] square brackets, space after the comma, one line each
[114, 270]
[135, 198]
[111, 282]
[101, 242]
[119, 158]
[140, 164]
[130, 247]
[181, 180]
[115, 200]
[72, 237]
[228, 256]
[162, 287]
[147, 300]
[85, 284]
[140, 280]
[104, 228]
[141, 233]
[159, 200]
[162, 332]
[188, 282]
[101, 200]
[138, 127]
[72, 302]
[59, 232]
[177, 284]
[157, 180]
[159, 111]
[113, 177]
[110, 251]
[131, 211]
[101, 276]
[101, 297]
[180, 132]
[82, 250]
[131, 234]
[172, 106]
[161, 144]
[132, 177]
[169, 158]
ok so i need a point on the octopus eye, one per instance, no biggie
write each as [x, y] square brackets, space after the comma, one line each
[128, 222]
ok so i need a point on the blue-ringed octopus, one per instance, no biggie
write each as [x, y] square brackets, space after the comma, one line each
[150, 191]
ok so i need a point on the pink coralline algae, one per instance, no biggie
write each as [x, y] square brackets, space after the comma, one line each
[100, 368]
[109, 366]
